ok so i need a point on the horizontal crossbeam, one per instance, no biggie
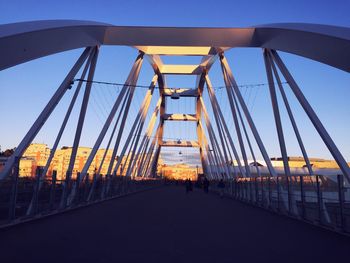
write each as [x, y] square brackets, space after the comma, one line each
[181, 92]
[180, 144]
[177, 51]
[179, 117]
[181, 69]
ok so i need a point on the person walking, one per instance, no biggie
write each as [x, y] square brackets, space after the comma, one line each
[206, 185]
[188, 184]
[221, 186]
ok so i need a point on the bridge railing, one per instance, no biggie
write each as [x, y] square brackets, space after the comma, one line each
[315, 199]
[20, 199]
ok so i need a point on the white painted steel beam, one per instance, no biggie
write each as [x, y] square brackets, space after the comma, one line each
[291, 117]
[25, 41]
[235, 153]
[180, 144]
[226, 68]
[181, 69]
[44, 115]
[177, 51]
[139, 116]
[131, 79]
[179, 117]
[181, 92]
[338, 157]
[276, 113]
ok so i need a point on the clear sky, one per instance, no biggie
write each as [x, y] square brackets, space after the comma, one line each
[25, 89]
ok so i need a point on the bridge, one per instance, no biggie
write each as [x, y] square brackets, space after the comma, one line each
[123, 208]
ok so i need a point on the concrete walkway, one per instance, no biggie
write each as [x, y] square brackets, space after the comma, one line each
[166, 225]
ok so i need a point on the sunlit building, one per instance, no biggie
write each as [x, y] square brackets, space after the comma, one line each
[299, 162]
[37, 155]
[180, 172]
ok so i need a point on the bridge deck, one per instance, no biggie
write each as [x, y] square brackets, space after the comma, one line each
[166, 225]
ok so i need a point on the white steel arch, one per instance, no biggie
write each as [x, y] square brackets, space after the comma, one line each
[25, 41]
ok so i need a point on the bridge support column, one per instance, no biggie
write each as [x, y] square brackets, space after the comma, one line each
[220, 116]
[279, 129]
[199, 127]
[129, 85]
[312, 116]
[159, 137]
[44, 115]
[216, 149]
[146, 138]
[125, 98]
[226, 68]
[14, 190]
[79, 128]
[145, 107]
[234, 110]
[63, 126]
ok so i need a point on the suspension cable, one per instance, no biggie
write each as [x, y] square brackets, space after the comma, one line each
[157, 87]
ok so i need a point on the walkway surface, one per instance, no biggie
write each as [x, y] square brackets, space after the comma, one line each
[166, 225]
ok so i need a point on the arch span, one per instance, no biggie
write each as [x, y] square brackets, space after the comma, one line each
[22, 42]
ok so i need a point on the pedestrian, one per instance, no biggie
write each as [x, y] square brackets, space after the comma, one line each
[206, 185]
[221, 186]
[188, 184]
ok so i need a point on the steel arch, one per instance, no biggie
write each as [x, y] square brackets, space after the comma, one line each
[25, 41]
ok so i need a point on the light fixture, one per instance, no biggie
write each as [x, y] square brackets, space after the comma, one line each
[175, 95]
[70, 84]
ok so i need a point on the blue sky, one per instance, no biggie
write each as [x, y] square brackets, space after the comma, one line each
[26, 88]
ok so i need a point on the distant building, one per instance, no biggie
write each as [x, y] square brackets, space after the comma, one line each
[61, 161]
[37, 155]
[299, 162]
[180, 172]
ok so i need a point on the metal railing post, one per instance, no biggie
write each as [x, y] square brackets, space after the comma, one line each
[288, 194]
[103, 187]
[341, 200]
[53, 189]
[278, 194]
[246, 182]
[66, 189]
[236, 189]
[99, 181]
[319, 199]
[109, 182]
[239, 189]
[77, 196]
[262, 191]
[250, 189]
[36, 190]
[90, 198]
[86, 186]
[302, 196]
[269, 189]
[245, 190]
[13, 200]
[116, 186]
[256, 191]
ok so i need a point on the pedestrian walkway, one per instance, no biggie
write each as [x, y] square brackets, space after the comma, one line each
[168, 225]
